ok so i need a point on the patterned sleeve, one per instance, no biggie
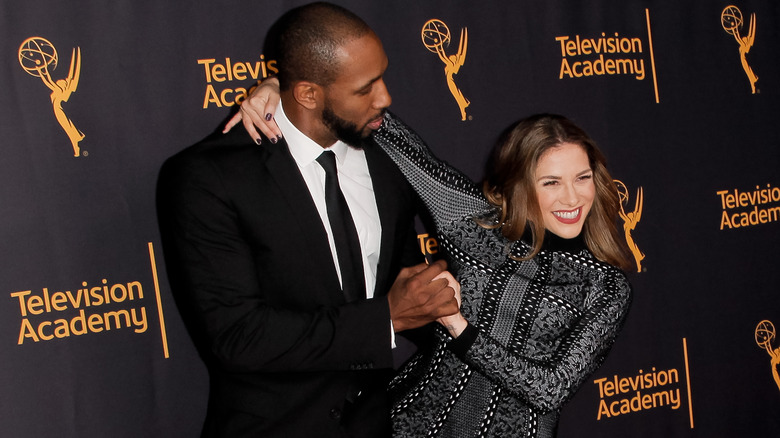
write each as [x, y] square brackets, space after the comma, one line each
[448, 194]
[548, 384]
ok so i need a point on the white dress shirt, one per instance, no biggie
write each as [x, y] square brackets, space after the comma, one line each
[355, 182]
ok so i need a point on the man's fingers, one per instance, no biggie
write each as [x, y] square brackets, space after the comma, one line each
[431, 271]
[423, 294]
[443, 303]
[411, 271]
[451, 282]
[440, 293]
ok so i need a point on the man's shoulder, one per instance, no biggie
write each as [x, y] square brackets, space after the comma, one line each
[217, 144]
[228, 156]
[232, 149]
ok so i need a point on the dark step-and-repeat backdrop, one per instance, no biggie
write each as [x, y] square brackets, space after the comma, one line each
[681, 96]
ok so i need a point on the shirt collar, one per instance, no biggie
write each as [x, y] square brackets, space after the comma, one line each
[303, 149]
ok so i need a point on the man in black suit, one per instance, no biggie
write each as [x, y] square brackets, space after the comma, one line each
[251, 250]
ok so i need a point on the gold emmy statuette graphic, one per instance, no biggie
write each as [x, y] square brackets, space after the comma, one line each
[631, 219]
[765, 334]
[731, 20]
[435, 37]
[37, 56]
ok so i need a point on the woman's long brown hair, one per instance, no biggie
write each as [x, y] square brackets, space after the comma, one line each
[510, 187]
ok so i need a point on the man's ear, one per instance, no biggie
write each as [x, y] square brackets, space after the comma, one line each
[307, 94]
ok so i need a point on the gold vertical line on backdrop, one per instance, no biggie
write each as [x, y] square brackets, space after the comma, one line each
[163, 334]
[688, 380]
[652, 55]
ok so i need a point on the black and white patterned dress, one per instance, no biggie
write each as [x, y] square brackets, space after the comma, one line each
[537, 328]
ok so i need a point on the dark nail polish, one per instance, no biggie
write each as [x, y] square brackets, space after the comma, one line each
[274, 140]
[268, 117]
[258, 141]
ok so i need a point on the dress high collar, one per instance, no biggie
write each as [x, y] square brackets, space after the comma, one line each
[553, 242]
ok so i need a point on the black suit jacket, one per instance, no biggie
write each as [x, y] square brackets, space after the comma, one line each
[250, 264]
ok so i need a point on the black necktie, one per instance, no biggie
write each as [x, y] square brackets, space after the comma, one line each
[345, 235]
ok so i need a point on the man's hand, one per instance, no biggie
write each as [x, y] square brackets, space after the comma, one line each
[257, 110]
[421, 294]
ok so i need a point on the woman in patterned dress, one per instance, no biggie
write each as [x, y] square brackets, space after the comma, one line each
[539, 257]
[535, 252]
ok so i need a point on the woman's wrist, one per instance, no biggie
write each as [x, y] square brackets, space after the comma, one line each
[455, 324]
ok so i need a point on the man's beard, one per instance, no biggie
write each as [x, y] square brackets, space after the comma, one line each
[345, 131]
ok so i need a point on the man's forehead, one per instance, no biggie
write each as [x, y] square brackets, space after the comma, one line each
[358, 48]
[361, 60]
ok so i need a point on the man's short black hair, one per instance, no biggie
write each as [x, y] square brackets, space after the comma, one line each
[308, 39]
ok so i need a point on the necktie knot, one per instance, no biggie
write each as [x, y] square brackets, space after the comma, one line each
[327, 160]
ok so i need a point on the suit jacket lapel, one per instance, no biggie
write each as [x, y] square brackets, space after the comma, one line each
[282, 168]
[314, 243]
